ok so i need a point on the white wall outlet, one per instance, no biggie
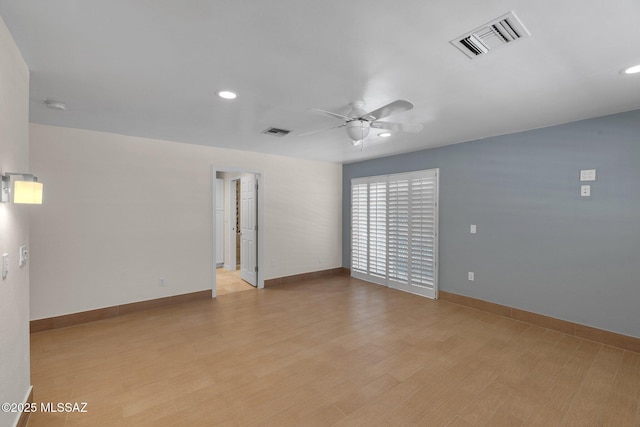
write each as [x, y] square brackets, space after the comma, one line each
[162, 282]
[471, 276]
[5, 265]
[585, 190]
[587, 175]
[472, 229]
[24, 255]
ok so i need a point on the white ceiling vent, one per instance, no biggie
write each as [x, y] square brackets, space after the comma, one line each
[276, 132]
[503, 30]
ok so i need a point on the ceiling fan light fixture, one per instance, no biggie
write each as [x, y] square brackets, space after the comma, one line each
[358, 129]
[358, 122]
[227, 94]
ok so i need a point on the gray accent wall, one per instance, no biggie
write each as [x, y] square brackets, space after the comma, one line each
[539, 247]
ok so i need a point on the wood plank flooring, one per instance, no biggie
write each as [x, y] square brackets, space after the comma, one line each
[329, 352]
[229, 281]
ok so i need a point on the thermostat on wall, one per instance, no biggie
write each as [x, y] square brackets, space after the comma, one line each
[587, 175]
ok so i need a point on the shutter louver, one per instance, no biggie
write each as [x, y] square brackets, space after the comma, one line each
[399, 230]
[359, 227]
[422, 232]
[378, 229]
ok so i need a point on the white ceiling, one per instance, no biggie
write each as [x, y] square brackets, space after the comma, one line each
[151, 68]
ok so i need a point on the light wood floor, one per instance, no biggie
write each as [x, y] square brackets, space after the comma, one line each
[329, 352]
[229, 281]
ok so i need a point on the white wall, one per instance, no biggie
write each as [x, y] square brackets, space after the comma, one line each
[14, 228]
[120, 212]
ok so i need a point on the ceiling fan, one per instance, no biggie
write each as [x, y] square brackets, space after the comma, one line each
[358, 122]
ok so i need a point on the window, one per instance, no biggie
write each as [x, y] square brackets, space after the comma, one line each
[394, 224]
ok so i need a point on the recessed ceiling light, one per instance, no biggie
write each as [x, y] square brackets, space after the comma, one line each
[55, 105]
[385, 134]
[227, 94]
[632, 70]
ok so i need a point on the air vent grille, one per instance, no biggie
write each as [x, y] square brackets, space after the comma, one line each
[276, 132]
[503, 30]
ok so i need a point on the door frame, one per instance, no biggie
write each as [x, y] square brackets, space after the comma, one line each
[260, 236]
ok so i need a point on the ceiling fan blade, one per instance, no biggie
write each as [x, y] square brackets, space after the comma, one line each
[337, 116]
[387, 125]
[321, 130]
[403, 127]
[389, 109]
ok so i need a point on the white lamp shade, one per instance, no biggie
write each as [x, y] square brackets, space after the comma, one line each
[358, 129]
[29, 192]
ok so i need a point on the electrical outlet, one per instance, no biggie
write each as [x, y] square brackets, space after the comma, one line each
[471, 276]
[162, 282]
[473, 229]
[585, 190]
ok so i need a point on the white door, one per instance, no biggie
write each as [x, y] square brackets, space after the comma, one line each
[219, 222]
[248, 230]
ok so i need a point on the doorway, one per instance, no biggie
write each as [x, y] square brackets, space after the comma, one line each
[229, 281]
[238, 242]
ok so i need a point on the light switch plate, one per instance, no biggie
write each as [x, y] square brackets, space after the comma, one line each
[5, 265]
[587, 175]
[24, 255]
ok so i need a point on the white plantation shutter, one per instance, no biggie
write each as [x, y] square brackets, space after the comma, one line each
[423, 232]
[359, 227]
[368, 230]
[394, 231]
[398, 231]
[378, 229]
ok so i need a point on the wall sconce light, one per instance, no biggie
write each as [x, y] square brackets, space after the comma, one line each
[26, 190]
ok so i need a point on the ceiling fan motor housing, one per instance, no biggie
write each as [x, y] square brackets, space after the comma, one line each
[358, 129]
[357, 110]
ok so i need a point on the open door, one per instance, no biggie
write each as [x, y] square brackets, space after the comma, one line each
[249, 229]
